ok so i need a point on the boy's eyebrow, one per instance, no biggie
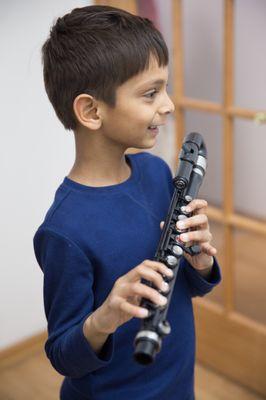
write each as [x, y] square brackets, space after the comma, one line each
[156, 82]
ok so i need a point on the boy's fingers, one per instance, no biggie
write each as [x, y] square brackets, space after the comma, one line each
[196, 204]
[137, 272]
[196, 236]
[196, 220]
[208, 249]
[139, 312]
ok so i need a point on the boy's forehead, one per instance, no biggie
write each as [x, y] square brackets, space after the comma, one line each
[154, 74]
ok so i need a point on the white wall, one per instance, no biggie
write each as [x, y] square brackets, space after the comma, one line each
[35, 153]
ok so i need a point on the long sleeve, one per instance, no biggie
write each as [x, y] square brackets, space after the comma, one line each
[198, 285]
[68, 300]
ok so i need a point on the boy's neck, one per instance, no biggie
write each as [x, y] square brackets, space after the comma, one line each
[98, 165]
[106, 174]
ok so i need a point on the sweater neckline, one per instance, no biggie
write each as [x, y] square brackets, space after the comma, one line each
[111, 188]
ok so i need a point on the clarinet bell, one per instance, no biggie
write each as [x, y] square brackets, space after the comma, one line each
[147, 345]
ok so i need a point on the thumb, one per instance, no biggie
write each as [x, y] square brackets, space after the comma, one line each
[161, 224]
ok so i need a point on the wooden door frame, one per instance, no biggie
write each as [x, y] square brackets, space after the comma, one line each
[223, 334]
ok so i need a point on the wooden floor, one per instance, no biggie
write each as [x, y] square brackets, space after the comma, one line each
[31, 377]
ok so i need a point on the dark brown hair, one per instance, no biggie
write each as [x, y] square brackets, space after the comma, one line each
[93, 50]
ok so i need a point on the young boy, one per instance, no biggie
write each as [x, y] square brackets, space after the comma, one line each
[105, 72]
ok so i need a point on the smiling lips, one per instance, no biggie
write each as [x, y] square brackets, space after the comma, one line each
[154, 126]
[153, 130]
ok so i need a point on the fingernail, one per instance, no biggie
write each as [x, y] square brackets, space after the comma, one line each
[165, 287]
[169, 272]
[184, 237]
[180, 225]
[144, 312]
[162, 300]
[185, 209]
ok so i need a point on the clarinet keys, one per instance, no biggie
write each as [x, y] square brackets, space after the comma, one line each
[166, 289]
[177, 251]
[164, 328]
[194, 250]
[171, 261]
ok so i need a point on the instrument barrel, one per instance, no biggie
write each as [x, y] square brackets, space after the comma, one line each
[187, 181]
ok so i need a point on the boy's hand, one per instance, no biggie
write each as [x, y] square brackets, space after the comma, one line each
[122, 304]
[200, 234]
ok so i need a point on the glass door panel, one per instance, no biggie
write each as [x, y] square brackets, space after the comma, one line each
[250, 54]
[249, 169]
[202, 26]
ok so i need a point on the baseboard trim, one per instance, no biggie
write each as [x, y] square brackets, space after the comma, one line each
[21, 350]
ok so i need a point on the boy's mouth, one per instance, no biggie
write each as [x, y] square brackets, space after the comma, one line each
[153, 127]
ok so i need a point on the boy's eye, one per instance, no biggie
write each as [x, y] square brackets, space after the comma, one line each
[150, 95]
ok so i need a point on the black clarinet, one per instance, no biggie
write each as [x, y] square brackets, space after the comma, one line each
[189, 176]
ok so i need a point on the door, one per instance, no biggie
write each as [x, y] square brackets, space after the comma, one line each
[230, 321]
[218, 82]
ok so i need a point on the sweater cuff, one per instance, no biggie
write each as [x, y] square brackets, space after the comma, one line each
[82, 356]
[197, 281]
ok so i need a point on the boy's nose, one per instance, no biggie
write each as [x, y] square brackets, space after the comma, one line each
[168, 107]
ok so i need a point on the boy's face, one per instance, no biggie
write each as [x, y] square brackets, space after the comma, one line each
[140, 103]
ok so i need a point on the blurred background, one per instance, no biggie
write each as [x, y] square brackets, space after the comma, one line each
[218, 84]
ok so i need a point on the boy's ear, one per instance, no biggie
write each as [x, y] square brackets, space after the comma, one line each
[87, 112]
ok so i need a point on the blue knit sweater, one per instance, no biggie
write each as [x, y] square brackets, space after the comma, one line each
[89, 238]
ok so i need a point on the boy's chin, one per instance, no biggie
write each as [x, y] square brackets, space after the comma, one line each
[140, 147]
